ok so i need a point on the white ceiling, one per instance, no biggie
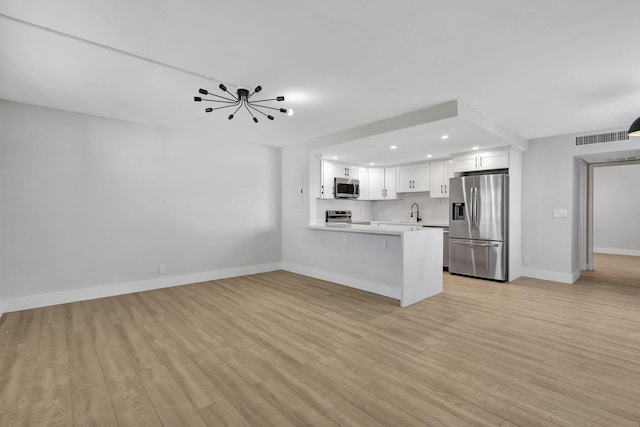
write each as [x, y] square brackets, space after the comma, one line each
[538, 68]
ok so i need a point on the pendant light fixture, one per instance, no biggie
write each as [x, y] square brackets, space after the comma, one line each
[634, 130]
[240, 100]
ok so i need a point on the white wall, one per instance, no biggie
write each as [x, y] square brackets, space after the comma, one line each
[550, 181]
[93, 206]
[616, 203]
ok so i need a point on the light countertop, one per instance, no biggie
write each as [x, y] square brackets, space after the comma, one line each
[374, 228]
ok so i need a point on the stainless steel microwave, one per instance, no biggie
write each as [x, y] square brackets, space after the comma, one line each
[346, 188]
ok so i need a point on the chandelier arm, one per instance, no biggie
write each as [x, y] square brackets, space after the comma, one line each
[234, 97]
[226, 106]
[224, 97]
[224, 102]
[239, 107]
[255, 109]
[263, 100]
[266, 106]
[246, 105]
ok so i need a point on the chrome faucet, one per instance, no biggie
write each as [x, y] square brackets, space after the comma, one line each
[418, 219]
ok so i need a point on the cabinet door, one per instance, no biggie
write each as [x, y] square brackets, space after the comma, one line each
[436, 188]
[420, 177]
[352, 171]
[465, 163]
[405, 178]
[390, 183]
[327, 180]
[448, 173]
[363, 177]
[376, 183]
[494, 160]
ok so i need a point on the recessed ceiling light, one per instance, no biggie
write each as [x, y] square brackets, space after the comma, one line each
[335, 157]
[429, 156]
[372, 164]
[475, 148]
[289, 112]
[393, 147]
[444, 137]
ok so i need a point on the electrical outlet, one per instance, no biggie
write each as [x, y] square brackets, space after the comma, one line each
[345, 240]
[526, 260]
[312, 260]
[162, 269]
[383, 244]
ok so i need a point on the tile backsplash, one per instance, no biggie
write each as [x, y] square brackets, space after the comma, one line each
[431, 210]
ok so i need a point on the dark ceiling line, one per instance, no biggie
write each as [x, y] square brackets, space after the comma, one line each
[105, 47]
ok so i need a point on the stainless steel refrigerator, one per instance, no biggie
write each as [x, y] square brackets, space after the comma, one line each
[478, 226]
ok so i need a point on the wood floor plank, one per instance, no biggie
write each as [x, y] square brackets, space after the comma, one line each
[52, 400]
[171, 404]
[281, 349]
[84, 367]
[246, 399]
[223, 413]
[92, 407]
[291, 403]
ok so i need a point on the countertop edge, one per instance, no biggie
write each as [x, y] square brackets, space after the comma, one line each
[397, 230]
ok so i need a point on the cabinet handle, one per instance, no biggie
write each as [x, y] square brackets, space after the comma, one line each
[441, 187]
[445, 189]
[476, 162]
[480, 162]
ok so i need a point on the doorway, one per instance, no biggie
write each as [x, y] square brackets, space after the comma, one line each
[609, 206]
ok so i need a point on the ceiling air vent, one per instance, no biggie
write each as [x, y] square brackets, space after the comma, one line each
[600, 138]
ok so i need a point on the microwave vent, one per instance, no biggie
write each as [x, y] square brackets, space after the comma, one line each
[601, 138]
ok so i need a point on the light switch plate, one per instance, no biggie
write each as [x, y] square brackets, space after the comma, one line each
[560, 213]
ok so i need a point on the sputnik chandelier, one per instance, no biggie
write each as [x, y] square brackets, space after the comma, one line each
[239, 100]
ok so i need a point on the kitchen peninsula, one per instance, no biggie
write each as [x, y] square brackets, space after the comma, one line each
[403, 262]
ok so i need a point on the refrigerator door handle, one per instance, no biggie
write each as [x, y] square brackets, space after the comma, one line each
[475, 206]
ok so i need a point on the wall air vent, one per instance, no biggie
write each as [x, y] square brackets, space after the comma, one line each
[600, 138]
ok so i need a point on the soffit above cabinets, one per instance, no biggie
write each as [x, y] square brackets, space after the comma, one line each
[416, 136]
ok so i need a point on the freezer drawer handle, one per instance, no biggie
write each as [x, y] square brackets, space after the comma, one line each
[487, 245]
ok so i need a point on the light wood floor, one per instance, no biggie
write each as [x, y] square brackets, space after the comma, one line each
[281, 349]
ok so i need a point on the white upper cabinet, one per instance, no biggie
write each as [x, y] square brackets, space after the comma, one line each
[441, 171]
[331, 170]
[345, 171]
[485, 160]
[326, 191]
[382, 183]
[413, 178]
[363, 177]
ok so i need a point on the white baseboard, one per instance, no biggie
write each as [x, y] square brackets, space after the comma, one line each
[551, 275]
[73, 295]
[352, 282]
[617, 251]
